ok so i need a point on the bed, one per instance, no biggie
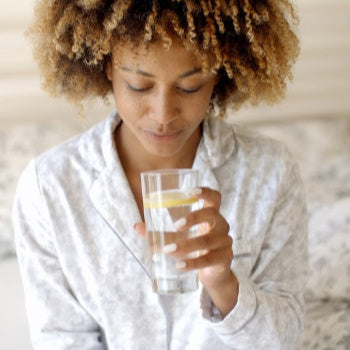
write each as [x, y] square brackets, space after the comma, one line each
[313, 120]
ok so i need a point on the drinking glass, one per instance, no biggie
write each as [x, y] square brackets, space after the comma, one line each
[167, 199]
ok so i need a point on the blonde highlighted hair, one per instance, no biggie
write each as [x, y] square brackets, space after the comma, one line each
[250, 44]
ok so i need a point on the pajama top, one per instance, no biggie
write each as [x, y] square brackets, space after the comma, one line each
[85, 272]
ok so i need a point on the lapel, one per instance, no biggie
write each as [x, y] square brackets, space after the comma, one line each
[110, 193]
[112, 197]
[216, 146]
[207, 177]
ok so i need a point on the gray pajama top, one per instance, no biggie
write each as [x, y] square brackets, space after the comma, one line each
[85, 272]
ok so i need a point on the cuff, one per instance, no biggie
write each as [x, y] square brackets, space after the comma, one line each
[239, 315]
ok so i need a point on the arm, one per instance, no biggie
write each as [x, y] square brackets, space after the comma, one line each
[56, 318]
[260, 307]
[269, 309]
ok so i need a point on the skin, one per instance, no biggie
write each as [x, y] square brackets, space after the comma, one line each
[162, 97]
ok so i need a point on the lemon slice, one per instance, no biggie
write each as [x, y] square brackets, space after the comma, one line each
[167, 199]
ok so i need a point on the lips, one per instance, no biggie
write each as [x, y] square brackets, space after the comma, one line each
[163, 136]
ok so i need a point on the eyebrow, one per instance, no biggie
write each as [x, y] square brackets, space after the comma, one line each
[149, 75]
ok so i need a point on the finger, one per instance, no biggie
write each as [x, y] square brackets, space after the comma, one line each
[208, 218]
[208, 242]
[210, 197]
[140, 228]
[215, 257]
[166, 241]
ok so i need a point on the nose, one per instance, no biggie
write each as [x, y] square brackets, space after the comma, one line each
[165, 107]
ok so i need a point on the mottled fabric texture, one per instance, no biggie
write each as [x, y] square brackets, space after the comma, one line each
[85, 270]
[327, 325]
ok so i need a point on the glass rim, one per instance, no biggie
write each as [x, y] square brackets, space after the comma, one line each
[157, 172]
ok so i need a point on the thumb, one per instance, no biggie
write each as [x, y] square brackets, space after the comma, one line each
[140, 229]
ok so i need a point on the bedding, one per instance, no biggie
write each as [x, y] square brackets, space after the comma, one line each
[326, 326]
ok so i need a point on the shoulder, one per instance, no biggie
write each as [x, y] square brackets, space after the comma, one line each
[250, 140]
[255, 155]
[244, 141]
[69, 160]
[81, 149]
[267, 157]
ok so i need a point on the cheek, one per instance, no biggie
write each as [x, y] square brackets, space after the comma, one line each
[200, 105]
[129, 108]
[122, 98]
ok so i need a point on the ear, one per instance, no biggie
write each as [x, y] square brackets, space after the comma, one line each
[108, 69]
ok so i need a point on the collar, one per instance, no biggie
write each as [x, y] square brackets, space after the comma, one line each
[110, 193]
[218, 143]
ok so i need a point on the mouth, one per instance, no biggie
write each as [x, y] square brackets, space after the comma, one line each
[163, 136]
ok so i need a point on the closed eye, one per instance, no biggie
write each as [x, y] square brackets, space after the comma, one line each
[133, 88]
[189, 91]
[182, 90]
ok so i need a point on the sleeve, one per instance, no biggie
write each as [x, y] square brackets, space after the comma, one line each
[270, 308]
[56, 319]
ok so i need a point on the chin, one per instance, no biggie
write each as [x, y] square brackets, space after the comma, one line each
[163, 151]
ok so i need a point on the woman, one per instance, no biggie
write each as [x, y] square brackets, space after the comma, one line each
[175, 68]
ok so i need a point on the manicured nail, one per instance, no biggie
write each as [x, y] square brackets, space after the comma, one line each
[169, 248]
[196, 191]
[180, 265]
[180, 223]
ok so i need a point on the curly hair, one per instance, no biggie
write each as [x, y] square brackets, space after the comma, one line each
[250, 44]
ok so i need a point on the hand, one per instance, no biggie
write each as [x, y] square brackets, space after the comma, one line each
[215, 246]
[213, 241]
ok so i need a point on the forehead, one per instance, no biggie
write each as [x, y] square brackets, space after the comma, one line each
[155, 56]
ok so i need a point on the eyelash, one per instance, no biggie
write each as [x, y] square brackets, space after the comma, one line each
[190, 91]
[136, 89]
[180, 89]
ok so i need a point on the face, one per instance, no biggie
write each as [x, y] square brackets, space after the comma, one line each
[161, 95]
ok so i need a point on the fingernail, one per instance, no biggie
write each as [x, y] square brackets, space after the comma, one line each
[180, 223]
[196, 191]
[169, 248]
[180, 265]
